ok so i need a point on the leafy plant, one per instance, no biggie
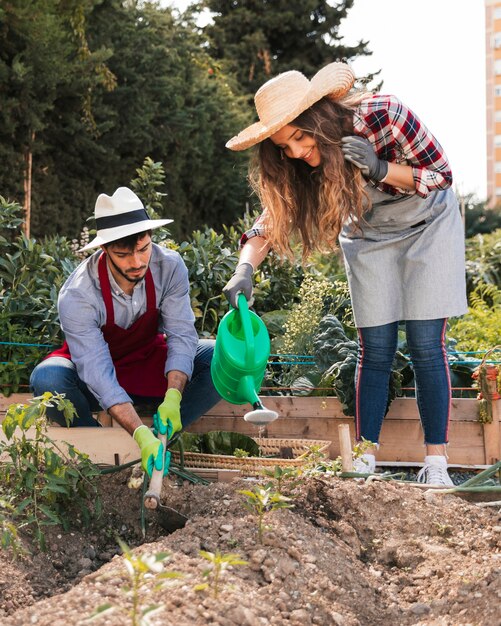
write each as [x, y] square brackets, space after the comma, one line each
[210, 264]
[262, 500]
[480, 328]
[46, 485]
[483, 260]
[31, 275]
[140, 570]
[218, 565]
[281, 476]
[9, 536]
[219, 442]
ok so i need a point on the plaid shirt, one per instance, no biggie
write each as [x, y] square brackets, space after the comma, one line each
[398, 136]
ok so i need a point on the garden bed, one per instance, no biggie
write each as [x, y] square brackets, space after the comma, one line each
[349, 553]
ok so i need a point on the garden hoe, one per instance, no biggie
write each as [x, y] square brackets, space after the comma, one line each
[239, 362]
[168, 518]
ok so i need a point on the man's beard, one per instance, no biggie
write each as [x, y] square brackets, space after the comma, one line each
[124, 274]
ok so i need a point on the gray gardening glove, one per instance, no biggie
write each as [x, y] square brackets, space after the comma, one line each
[359, 151]
[240, 282]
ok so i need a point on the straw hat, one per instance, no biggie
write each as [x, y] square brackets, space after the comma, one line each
[120, 215]
[283, 98]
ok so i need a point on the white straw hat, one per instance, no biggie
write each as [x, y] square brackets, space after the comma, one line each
[120, 215]
[283, 98]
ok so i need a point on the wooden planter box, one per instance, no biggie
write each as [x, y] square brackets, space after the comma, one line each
[471, 443]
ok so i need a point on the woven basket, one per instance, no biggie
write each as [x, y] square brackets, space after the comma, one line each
[253, 464]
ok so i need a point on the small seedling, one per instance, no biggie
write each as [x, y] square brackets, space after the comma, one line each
[140, 569]
[281, 476]
[240, 454]
[218, 564]
[262, 500]
[316, 462]
[444, 530]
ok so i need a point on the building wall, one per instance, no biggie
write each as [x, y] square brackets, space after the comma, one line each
[493, 98]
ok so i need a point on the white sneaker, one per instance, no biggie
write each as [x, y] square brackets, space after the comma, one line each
[434, 472]
[365, 464]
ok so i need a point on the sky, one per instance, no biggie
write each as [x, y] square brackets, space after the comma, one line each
[431, 54]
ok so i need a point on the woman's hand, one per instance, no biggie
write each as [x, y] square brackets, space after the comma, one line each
[359, 151]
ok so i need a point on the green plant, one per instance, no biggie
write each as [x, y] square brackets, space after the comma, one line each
[240, 454]
[262, 500]
[210, 264]
[47, 486]
[316, 462]
[140, 570]
[9, 536]
[281, 476]
[480, 328]
[31, 274]
[150, 177]
[218, 564]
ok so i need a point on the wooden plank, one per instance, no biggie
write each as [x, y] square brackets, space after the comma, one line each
[463, 409]
[401, 440]
[492, 435]
[102, 445]
[306, 418]
[15, 398]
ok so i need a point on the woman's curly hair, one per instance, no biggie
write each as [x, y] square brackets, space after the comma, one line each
[305, 202]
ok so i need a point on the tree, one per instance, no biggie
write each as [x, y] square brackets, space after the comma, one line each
[171, 103]
[42, 53]
[258, 39]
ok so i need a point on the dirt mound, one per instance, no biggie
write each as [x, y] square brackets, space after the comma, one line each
[347, 553]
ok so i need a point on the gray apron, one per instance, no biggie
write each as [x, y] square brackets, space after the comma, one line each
[407, 261]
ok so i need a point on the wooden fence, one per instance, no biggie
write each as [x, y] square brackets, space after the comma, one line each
[471, 443]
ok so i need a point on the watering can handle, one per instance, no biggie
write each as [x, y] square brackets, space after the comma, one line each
[243, 309]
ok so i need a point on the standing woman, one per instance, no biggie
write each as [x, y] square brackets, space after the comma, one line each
[361, 168]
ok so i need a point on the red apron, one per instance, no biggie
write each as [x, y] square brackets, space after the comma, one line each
[138, 352]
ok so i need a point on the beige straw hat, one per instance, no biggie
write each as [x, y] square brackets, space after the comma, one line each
[281, 99]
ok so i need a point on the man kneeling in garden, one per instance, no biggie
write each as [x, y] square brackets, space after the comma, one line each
[130, 335]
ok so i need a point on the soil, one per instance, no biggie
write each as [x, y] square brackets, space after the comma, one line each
[348, 553]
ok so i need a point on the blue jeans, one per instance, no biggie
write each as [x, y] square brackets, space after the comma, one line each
[426, 344]
[59, 375]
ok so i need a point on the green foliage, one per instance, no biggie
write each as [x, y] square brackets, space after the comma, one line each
[141, 569]
[483, 260]
[9, 536]
[260, 501]
[210, 264]
[31, 275]
[150, 177]
[281, 477]
[219, 442]
[46, 485]
[480, 328]
[218, 565]
[258, 39]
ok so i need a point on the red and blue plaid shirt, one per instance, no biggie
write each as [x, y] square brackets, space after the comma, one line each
[398, 136]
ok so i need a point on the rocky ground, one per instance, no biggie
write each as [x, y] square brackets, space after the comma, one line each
[348, 553]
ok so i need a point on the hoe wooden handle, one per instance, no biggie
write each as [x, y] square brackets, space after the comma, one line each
[152, 496]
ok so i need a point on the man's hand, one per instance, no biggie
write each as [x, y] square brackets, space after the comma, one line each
[359, 151]
[240, 282]
[152, 451]
[169, 412]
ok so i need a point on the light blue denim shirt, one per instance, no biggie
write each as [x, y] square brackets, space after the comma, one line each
[82, 314]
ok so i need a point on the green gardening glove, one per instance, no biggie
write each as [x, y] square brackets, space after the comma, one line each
[152, 450]
[169, 413]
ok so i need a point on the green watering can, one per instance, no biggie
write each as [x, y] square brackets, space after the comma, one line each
[239, 361]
